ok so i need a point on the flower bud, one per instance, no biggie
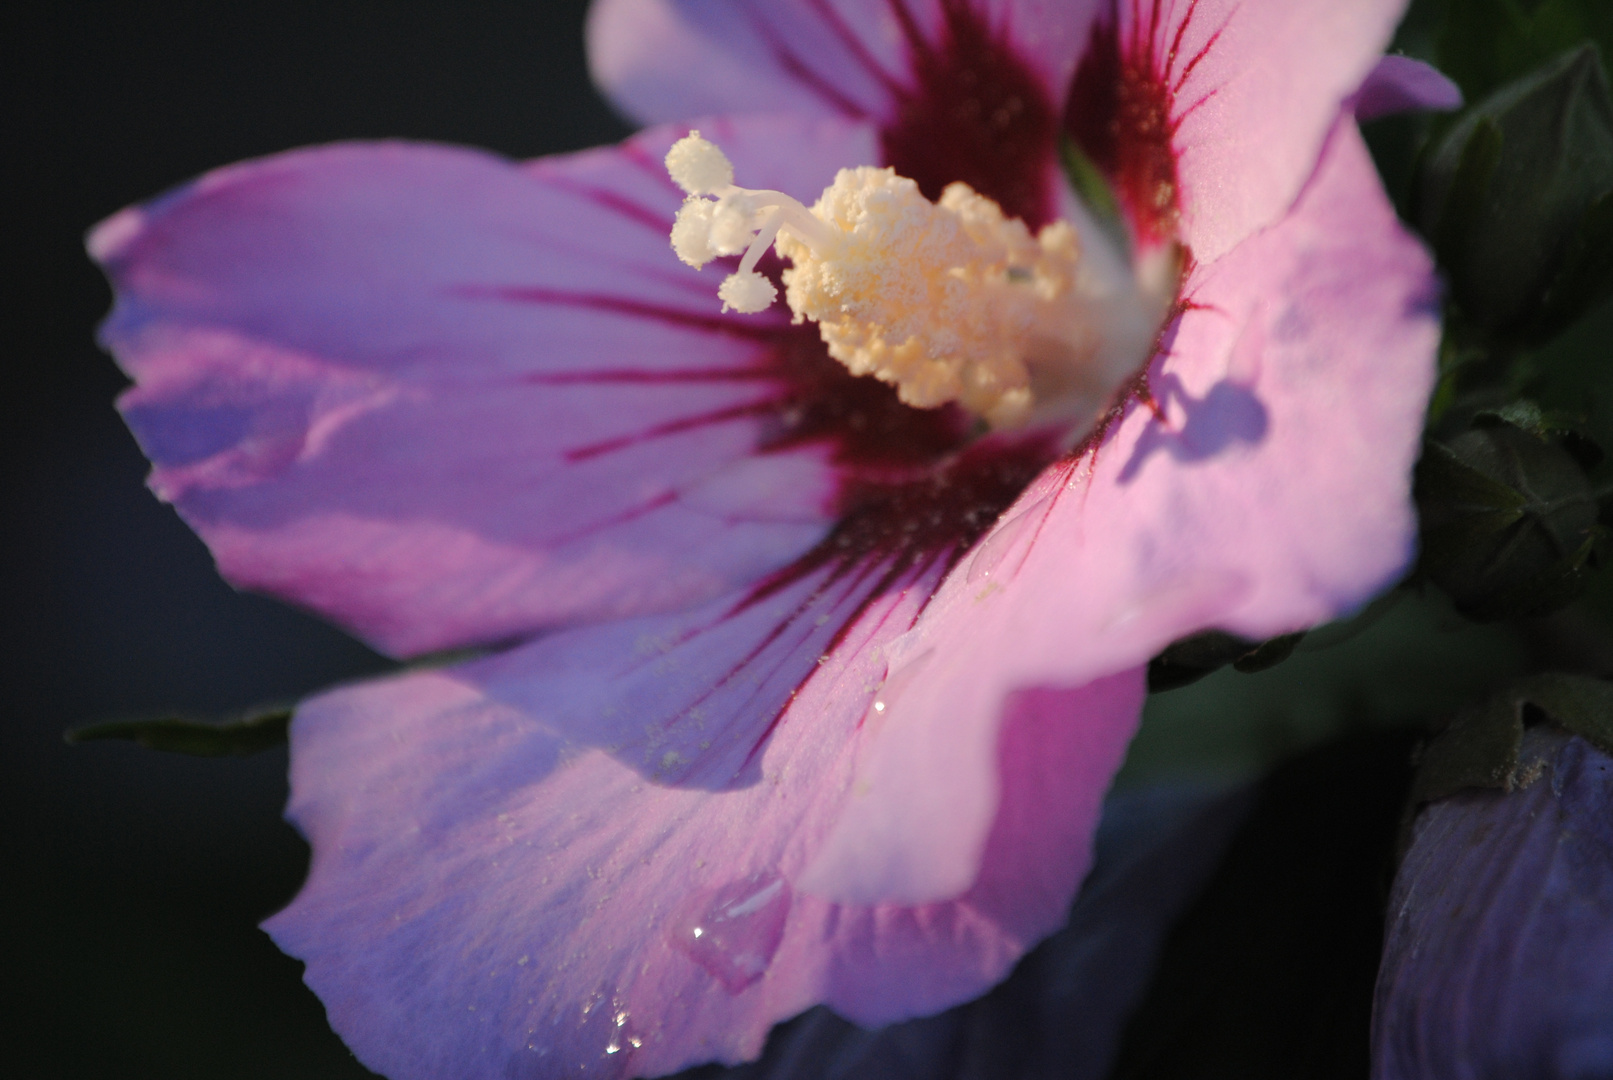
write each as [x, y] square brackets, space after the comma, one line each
[1518, 200]
[1498, 955]
[1509, 520]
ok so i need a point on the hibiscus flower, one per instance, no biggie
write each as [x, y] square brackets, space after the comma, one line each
[788, 691]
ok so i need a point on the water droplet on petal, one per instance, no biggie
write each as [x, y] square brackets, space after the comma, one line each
[734, 929]
[989, 556]
[891, 689]
[606, 1026]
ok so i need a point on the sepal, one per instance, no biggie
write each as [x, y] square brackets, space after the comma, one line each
[1191, 659]
[1482, 747]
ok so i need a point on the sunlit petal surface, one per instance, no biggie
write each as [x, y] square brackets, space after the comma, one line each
[446, 400]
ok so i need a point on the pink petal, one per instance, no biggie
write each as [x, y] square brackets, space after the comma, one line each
[960, 91]
[512, 859]
[1063, 1010]
[443, 399]
[1401, 84]
[673, 59]
[1254, 86]
[1273, 495]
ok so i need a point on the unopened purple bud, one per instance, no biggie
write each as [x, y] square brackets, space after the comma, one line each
[1498, 957]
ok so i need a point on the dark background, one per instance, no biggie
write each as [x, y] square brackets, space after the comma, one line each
[132, 881]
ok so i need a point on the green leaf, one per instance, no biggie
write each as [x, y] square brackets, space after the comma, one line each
[253, 733]
[1513, 194]
[1575, 703]
[1585, 275]
[1546, 424]
[1486, 43]
[1468, 188]
[1480, 748]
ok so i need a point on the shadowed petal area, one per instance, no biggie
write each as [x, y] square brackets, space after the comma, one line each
[665, 60]
[582, 857]
[443, 399]
[1208, 115]
[1499, 952]
[1061, 1012]
[1266, 489]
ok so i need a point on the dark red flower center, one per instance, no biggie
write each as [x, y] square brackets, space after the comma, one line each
[916, 488]
[975, 113]
[915, 491]
[1122, 112]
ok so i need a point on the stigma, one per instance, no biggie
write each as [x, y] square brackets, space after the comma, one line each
[949, 301]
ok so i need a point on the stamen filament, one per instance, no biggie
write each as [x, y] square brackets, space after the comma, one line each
[765, 235]
[794, 217]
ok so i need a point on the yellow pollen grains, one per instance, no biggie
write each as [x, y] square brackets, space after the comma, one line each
[948, 301]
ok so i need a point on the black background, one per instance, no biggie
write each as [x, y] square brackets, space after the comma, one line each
[132, 880]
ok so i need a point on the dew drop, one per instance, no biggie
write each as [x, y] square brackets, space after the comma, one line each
[621, 1036]
[893, 686]
[989, 556]
[734, 929]
[607, 1027]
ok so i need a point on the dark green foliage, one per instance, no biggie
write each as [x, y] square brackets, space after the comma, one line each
[1480, 747]
[252, 733]
[1485, 43]
[1190, 659]
[1515, 197]
[1509, 519]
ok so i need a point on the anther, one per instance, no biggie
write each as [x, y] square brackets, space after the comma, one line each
[949, 302]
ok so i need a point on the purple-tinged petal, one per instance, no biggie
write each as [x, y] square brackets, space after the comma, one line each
[959, 90]
[664, 60]
[1402, 84]
[1208, 115]
[1499, 953]
[1062, 1011]
[582, 856]
[1266, 489]
[660, 60]
[446, 400]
